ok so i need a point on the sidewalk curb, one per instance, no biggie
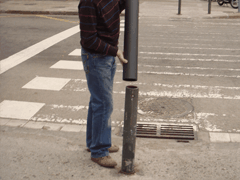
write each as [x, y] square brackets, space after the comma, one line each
[43, 12]
[213, 137]
[39, 12]
[229, 16]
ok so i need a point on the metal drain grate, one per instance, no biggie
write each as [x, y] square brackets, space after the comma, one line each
[167, 131]
[149, 129]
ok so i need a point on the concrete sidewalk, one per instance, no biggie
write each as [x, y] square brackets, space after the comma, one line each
[161, 8]
[41, 154]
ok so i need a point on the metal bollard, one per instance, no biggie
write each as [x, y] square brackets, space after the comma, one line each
[179, 7]
[239, 6]
[131, 40]
[209, 6]
[129, 131]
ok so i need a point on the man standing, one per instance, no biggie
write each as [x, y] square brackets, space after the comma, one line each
[99, 28]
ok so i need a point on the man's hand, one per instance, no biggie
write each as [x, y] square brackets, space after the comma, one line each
[121, 57]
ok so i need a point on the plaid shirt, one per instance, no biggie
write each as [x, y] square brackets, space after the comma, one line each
[100, 24]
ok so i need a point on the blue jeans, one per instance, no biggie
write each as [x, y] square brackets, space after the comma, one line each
[100, 71]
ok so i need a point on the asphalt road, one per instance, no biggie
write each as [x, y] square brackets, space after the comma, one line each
[191, 61]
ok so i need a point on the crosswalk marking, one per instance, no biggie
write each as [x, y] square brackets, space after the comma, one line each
[57, 113]
[190, 59]
[31, 51]
[66, 64]
[19, 109]
[190, 68]
[196, 86]
[122, 25]
[76, 52]
[187, 94]
[197, 48]
[190, 54]
[47, 83]
[164, 90]
[186, 74]
[217, 64]
[57, 118]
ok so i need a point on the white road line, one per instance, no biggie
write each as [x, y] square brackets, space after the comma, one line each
[76, 52]
[214, 88]
[56, 118]
[190, 68]
[33, 50]
[80, 81]
[191, 59]
[188, 54]
[19, 109]
[47, 83]
[185, 74]
[68, 65]
[188, 74]
[189, 44]
[57, 113]
[169, 90]
[61, 113]
[171, 47]
[151, 38]
[69, 107]
[183, 94]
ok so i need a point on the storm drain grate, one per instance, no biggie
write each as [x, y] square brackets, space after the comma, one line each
[166, 131]
[149, 129]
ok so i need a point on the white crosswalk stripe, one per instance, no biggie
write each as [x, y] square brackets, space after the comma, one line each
[19, 109]
[46, 83]
[67, 64]
[76, 52]
[186, 60]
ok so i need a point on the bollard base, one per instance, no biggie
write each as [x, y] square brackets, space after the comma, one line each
[127, 173]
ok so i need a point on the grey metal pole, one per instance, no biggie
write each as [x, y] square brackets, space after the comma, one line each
[239, 6]
[179, 7]
[129, 131]
[209, 6]
[131, 40]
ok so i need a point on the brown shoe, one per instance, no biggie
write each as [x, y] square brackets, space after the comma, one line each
[112, 149]
[105, 161]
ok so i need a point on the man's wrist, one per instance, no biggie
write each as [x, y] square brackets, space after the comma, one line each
[118, 53]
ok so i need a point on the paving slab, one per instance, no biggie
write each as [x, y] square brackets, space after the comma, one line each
[234, 137]
[219, 137]
[72, 128]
